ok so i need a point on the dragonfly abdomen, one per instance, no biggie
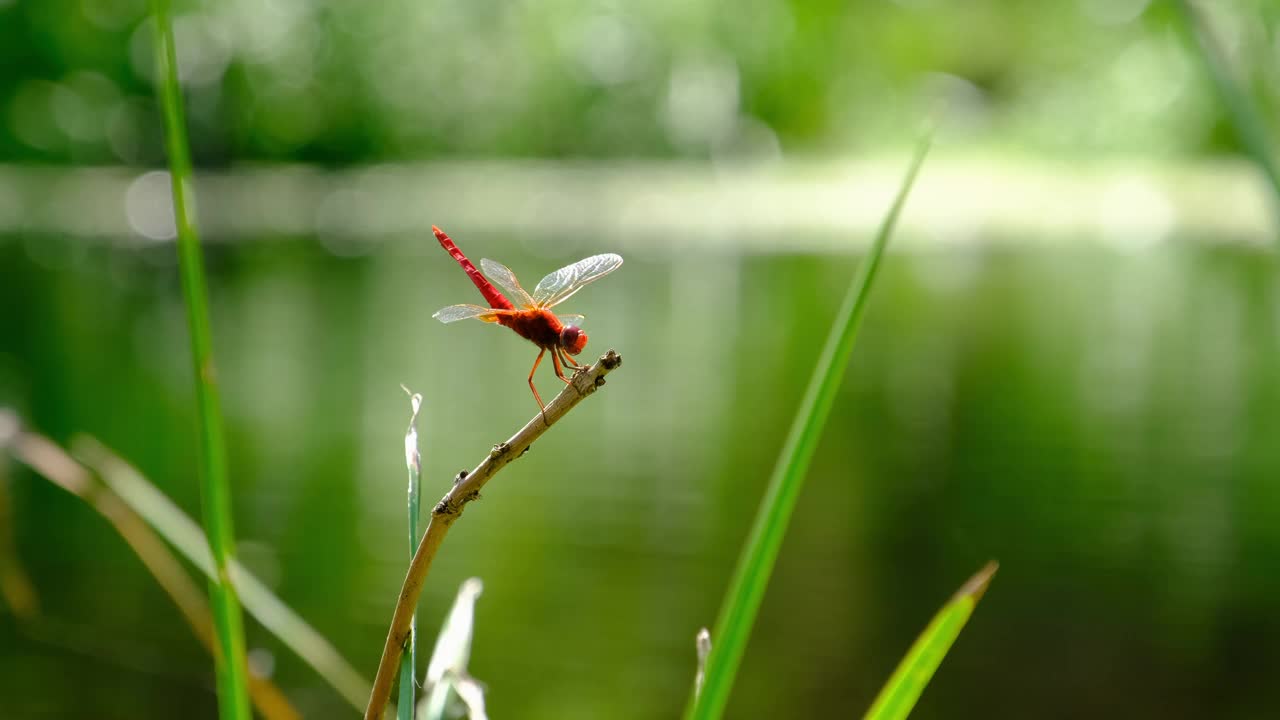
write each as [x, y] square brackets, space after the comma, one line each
[491, 295]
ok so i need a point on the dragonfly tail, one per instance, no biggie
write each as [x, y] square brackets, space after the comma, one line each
[491, 295]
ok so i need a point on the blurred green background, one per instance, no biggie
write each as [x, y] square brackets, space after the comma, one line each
[1069, 363]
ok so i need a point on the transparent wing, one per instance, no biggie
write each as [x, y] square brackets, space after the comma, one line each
[454, 313]
[502, 275]
[572, 319]
[559, 285]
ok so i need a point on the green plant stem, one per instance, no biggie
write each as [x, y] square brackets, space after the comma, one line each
[1244, 115]
[406, 704]
[215, 491]
[746, 590]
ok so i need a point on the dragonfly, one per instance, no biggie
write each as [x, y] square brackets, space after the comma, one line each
[561, 335]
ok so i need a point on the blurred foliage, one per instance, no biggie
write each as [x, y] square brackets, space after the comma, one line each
[1104, 423]
[1100, 416]
[338, 82]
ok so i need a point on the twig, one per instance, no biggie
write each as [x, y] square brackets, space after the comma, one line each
[46, 458]
[466, 487]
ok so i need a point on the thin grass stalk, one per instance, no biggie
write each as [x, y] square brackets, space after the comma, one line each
[413, 461]
[229, 661]
[755, 565]
[1243, 112]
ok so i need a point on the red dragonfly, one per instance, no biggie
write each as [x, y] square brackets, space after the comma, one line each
[533, 320]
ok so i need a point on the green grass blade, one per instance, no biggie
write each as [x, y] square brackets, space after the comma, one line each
[1244, 114]
[186, 537]
[899, 695]
[405, 704]
[746, 590]
[232, 669]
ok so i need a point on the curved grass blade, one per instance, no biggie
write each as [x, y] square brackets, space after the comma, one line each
[186, 537]
[53, 463]
[16, 588]
[215, 490]
[755, 565]
[899, 695]
[1245, 116]
[447, 669]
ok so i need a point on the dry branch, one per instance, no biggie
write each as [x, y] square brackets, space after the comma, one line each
[466, 487]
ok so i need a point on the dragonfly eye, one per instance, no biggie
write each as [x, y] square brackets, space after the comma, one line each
[572, 339]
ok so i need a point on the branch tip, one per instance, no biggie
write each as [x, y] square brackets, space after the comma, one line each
[466, 488]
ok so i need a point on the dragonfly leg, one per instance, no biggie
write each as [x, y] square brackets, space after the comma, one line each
[555, 360]
[536, 396]
[570, 362]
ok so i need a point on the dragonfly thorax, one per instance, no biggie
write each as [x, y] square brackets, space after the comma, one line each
[540, 327]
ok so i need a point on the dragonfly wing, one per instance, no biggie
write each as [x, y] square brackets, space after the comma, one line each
[502, 275]
[572, 319]
[559, 285]
[454, 313]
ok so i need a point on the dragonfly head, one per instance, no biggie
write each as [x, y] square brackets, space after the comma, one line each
[572, 339]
